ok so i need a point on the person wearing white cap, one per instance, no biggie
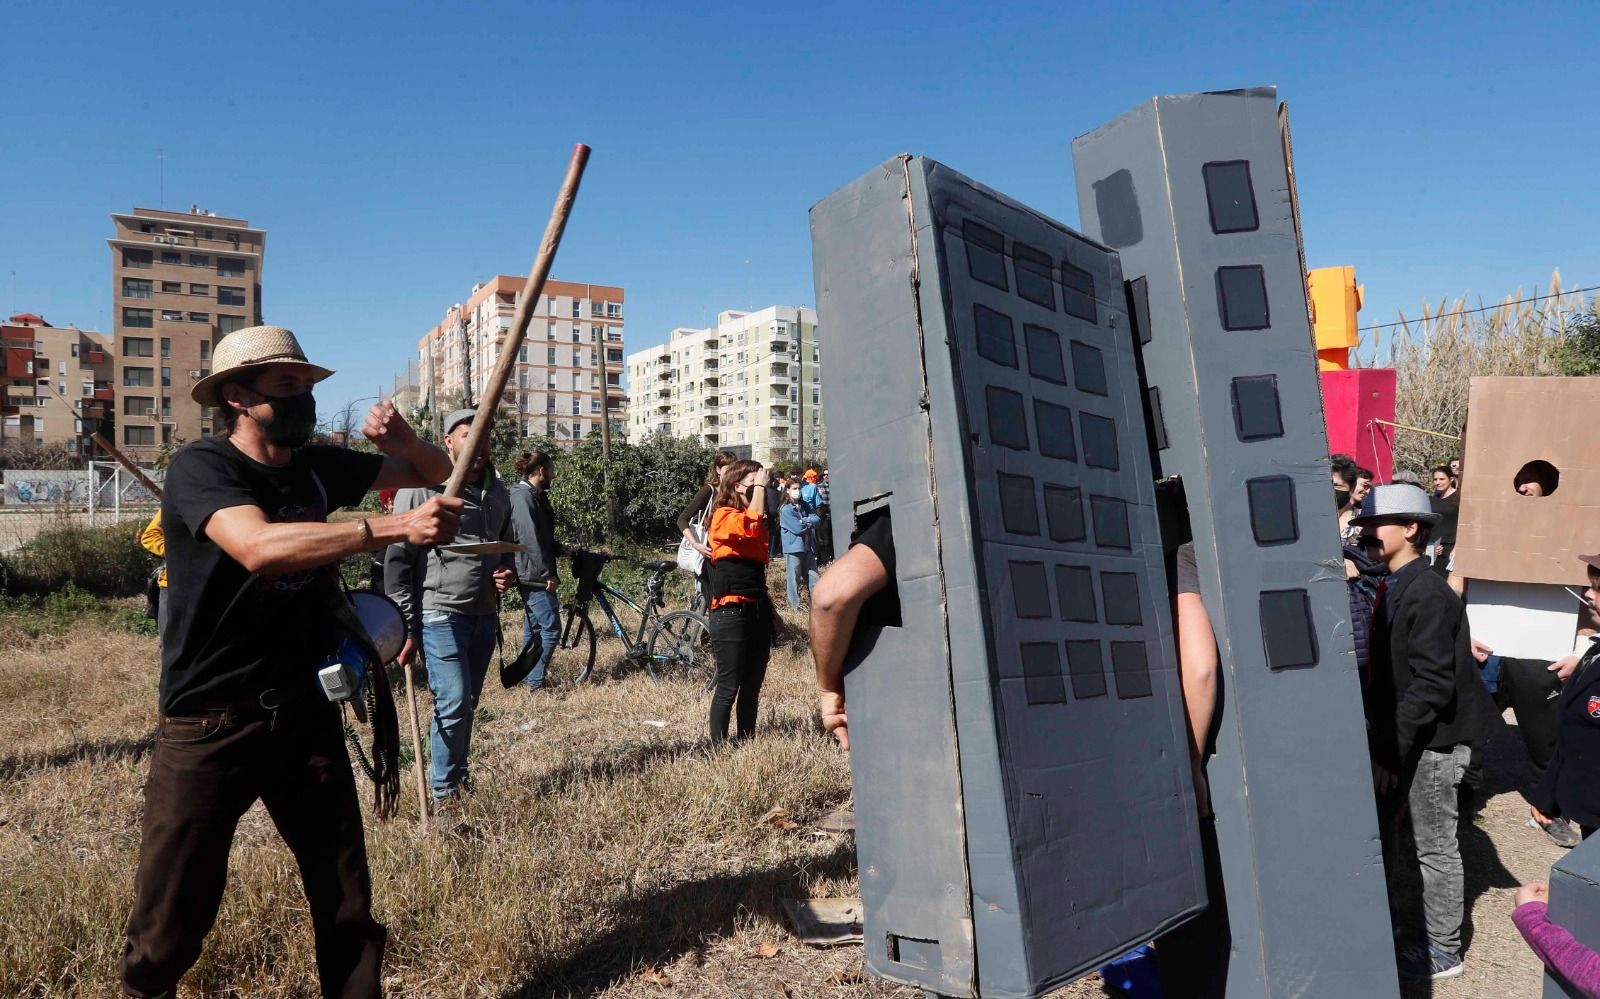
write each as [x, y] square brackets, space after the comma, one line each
[248, 621]
[1425, 707]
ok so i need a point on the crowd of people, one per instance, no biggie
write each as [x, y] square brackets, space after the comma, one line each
[247, 610]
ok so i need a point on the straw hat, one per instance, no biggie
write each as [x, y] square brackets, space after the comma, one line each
[251, 347]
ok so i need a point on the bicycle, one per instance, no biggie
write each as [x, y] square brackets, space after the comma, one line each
[679, 645]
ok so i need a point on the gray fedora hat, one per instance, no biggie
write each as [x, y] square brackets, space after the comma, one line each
[1395, 502]
[457, 418]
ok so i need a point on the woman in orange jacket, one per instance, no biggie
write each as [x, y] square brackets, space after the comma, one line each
[741, 608]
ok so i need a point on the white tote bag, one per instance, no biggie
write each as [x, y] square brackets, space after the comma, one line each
[690, 559]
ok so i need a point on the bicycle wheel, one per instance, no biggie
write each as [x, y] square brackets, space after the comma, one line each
[680, 648]
[578, 634]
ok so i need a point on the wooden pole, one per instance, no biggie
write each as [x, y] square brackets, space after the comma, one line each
[127, 463]
[416, 749]
[532, 291]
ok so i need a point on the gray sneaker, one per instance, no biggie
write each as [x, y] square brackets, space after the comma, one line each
[1426, 962]
[1561, 832]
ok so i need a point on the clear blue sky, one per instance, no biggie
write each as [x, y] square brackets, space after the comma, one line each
[397, 152]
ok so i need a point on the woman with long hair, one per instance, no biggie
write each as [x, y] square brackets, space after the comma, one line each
[698, 507]
[741, 608]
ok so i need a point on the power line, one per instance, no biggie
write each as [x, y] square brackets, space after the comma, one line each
[1485, 308]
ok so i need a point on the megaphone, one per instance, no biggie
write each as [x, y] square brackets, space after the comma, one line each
[343, 673]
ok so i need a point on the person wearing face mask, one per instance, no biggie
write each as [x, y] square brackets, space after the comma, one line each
[533, 521]
[741, 607]
[247, 622]
[451, 603]
[798, 522]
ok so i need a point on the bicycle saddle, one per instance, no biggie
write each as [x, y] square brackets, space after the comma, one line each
[662, 566]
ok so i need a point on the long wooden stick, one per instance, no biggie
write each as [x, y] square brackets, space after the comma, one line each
[125, 462]
[416, 750]
[532, 291]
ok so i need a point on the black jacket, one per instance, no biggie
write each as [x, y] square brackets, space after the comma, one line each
[533, 524]
[1425, 693]
[1571, 785]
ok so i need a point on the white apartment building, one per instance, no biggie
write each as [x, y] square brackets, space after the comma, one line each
[752, 384]
[568, 371]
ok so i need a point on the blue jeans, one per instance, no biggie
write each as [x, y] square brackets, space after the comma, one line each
[458, 648]
[798, 562]
[543, 611]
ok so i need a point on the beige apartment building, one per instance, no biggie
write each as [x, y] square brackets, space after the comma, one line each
[180, 281]
[57, 382]
[752, 384]
[570, 363]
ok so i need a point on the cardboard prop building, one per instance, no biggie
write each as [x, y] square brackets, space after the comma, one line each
[1519, 553]
[1023, 800]
[1195, 194]
[1575, 904]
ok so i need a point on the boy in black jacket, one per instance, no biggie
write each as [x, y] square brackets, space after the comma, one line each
[1425, 707]
[1570, 787]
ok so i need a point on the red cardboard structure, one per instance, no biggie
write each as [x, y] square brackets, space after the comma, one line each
[1351, 401]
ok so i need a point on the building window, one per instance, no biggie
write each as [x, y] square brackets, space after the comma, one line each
[199, 317]
[614, 310]
[577, 334]
[205, 350]
[577, 407]
[139, 260]
[551, 355]
[166, 407]
[139, 377]
[594, 405]
[199, 289]
[522, 354]
[171, 287]
[577, 309]
[136, 346]
[171, 315]
[135, 288]
[166, 346]
[577, 358]
[230, 267]
[138, 319]
[138, 435]
[169, 257]
[166, 377]
[138, 405]
[227, 324]
[199, 260]
[229, 296]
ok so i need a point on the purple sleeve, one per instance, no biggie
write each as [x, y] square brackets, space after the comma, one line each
[1557, 948]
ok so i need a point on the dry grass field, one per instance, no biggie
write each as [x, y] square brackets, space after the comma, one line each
[608, 851]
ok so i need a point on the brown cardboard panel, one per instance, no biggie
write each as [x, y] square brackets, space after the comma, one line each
[1521, 539]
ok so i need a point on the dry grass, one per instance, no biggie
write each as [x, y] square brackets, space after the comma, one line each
[603, 856]
[598, 846]
[1437, 355]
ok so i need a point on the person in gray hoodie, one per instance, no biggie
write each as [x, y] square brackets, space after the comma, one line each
[451, 604]
[533, 523]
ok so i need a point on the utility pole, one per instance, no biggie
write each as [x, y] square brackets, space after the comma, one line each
[605, 433]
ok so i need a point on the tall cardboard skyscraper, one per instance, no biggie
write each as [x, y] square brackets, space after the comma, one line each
[1195, 194]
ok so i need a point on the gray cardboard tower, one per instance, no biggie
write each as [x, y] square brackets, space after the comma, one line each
[1023, 801]
[1195, 194]
[1575, 904]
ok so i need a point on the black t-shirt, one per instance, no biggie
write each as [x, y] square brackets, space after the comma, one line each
[875, 531]
[1187, 571]
[1449, 510]
[230, 635]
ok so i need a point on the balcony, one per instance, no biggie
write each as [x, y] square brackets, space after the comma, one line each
[664, 373]
[104, 394]
[94, 357]
[710, 364]
[779, 374]
[664, 406]
[709, 379]
[709, 420]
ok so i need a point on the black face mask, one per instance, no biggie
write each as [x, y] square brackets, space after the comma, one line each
[294, 418]
[1341, 497]
[750, 494]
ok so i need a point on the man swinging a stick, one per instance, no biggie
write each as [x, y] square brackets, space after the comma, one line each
[242, 716]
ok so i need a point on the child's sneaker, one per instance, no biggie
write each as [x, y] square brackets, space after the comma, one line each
[1426, 961]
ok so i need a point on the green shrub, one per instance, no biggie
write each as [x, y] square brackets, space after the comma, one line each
[104, 561]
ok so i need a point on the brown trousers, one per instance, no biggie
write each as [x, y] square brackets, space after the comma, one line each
[205, 772]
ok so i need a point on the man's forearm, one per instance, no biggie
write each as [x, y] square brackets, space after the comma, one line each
[831, 628]
[431, 462]
[276, 549]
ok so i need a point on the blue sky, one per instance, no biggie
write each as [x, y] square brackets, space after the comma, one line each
[397, 152]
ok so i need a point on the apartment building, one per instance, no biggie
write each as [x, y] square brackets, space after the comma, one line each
[569, 366]
[57, 382]
[180, 281]
[752, 384]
